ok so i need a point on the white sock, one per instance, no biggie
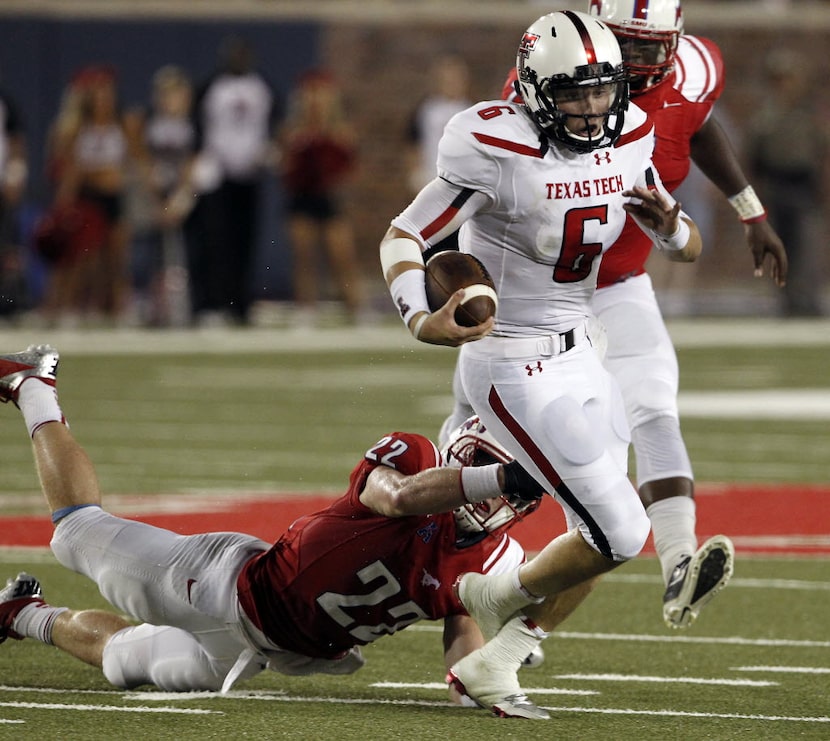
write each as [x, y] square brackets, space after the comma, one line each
[36, 620]
[38, 401]
[673, 530]
[513, 643]
[507, 594]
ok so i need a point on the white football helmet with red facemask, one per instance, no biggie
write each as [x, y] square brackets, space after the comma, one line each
[648, 32]
[472, 445]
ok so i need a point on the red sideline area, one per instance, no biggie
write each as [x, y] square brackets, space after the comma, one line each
[787, 519]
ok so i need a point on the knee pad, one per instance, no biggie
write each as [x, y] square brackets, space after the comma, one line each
[659, 450]
[570, 428]
[169, 658]
[622, 523]
[649, 398]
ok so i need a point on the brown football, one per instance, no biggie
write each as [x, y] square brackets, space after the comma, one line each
[450, 270]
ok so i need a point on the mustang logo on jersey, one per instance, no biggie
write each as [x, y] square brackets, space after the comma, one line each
[584, 188]
[428, 580]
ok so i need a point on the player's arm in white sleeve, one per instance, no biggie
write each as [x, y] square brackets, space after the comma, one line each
[658, 214]
[440, 209]
[437, 211]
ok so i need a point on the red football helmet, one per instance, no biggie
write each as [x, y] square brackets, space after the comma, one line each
[648, 32]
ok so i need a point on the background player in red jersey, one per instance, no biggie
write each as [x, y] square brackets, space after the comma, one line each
[219, 607]
[676, 79]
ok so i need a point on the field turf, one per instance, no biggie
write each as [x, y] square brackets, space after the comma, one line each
[185, 425]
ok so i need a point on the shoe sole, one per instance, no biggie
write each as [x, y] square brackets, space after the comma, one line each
[708, 573]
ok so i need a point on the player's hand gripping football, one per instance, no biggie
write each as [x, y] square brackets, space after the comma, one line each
[440, 327]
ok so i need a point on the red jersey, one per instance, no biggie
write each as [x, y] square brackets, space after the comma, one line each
[314, 165]
[678, 106]
[346, 576]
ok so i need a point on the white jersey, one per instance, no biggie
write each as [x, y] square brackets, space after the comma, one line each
[544, 214]
[236, 119]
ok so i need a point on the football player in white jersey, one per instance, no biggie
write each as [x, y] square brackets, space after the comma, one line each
[676, 79]
[539, 192]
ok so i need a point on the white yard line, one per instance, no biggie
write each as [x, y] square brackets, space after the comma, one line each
[688, 714]
[685, 333]
[444, 704]
[668, 638]
[795, 404]
[726, 641]
[108, 708]
[740, 582]
[783, 669]
[662, 680]
[437, 686]
[805, 404]
[443, 687]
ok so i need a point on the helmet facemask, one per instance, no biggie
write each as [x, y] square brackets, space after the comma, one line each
[648, 34]
[575, 130]
[472, 445]
[649, 56]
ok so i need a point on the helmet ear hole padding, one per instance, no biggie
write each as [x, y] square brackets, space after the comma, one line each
[568, 50]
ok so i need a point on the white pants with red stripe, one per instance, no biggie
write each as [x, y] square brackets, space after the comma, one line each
[561, 415]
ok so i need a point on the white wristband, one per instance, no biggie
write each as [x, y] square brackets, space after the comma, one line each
[673, 242]
[419, 325]
[409, 294]
[400, 249]
[480, 482]
[748, 205]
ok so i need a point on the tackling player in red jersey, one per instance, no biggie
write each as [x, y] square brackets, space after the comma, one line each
[216, 608]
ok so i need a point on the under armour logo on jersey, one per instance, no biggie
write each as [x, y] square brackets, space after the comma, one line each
[599, 156]
[426, 532]
[428, 580]
[531, 369]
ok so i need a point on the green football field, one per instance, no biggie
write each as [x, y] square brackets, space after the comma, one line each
[174, 418]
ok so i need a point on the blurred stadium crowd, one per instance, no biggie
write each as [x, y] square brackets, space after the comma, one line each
[106, 138]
